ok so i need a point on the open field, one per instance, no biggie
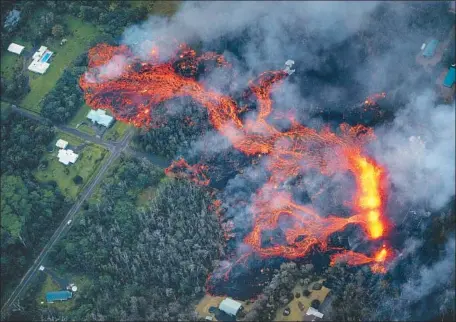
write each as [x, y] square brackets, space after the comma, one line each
[79, 36]
[295, 313]
[86, 165]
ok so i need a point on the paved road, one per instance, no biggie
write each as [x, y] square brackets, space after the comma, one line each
[116, 148]
[70, 215]
[64, 128]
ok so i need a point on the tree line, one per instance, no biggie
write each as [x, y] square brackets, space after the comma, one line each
[29, 210]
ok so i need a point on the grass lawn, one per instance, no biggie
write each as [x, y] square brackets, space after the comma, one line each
[161, 8]
[85, 166]
[81, 116]
[49, 285]
[10, 63]
[79, 35]
[115, 132]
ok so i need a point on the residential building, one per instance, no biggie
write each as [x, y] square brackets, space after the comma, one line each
[67, 156]
[230, 306]
[312, 315]
[51, 297]
[100, 117]
[15, 48]
[430, 49]
[62, 144]
[39, 64]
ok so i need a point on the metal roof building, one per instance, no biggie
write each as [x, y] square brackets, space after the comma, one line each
[312, 315]
[15, 48]
[230, 306]
[61, 144]
[67, 156]
[450, 77]
[100, 117]
[430, 48]
[58, 296]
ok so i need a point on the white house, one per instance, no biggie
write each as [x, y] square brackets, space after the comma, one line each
[15, 48]
[67, 156]
[100, 117]
[62, 144]
[289, 63]
[313, 314]
[230, 306]
[39, 64]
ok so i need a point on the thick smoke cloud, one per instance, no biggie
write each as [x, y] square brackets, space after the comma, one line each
[421, 169]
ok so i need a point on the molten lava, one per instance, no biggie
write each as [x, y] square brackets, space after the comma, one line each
[142, 86]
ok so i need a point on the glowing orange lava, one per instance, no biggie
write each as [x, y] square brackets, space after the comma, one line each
[142, 86]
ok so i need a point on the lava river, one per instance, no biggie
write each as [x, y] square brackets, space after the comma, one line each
[143, 85]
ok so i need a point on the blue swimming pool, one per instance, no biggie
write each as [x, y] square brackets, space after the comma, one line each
[45, 57]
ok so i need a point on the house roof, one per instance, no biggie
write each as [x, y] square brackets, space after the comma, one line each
[230, 306]
[67, 156]
[15, 48]
[58, 296]
[430, 48]
[450, 77]
[100, 117]
[61, 144]
[452, 6]
[314, 312]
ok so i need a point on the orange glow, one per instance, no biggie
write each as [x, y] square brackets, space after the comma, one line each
[132, 96]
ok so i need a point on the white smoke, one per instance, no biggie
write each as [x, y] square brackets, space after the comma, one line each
[421, 174]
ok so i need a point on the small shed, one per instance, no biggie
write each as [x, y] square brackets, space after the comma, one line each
[230, 306]
[15, 48]
[51, 297]
[431, 47]
[100, 117]
[67, 156]
[313, 315]
[62, 144]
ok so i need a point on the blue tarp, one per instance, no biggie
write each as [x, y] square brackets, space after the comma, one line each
[430, 48]
[449, 78]
[58, 296]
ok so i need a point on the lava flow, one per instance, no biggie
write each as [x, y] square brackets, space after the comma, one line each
[143, 85]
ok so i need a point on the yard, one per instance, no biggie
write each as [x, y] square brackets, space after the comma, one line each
[115, 132]
[11, 62]
[50, 286]
[81, 116]
[79, 36]
[86, 165]
[295, 313]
